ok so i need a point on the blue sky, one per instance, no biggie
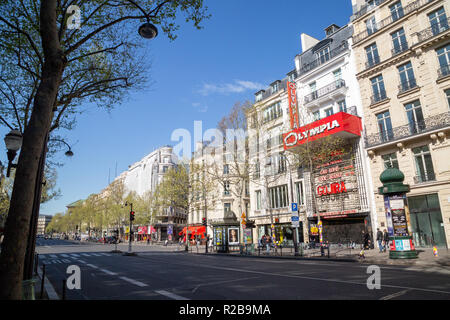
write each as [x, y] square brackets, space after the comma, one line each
[244, 46]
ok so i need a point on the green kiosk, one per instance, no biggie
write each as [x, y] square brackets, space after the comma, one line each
[397, 214]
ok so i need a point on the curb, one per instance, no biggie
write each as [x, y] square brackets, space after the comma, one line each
[48, 287]
[279, 257]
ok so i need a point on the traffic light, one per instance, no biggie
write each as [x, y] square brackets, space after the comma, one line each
[131, 215]
[204, 221]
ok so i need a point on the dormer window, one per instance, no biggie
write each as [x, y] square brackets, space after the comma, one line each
[324, 54]
[275, 87]
[259, 96]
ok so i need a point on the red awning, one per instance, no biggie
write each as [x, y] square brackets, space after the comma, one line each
[194, 231]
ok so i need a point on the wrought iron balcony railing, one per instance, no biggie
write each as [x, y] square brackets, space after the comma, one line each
[378, 97]
[333, 53]
[407, 85]
[366, 8]
[431, 123]
[325, 90]
[389, 20]
[425, 177]
[444, 71]
[434, 30]
[403, 46]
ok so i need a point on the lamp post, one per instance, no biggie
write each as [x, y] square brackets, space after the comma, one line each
[147, 30]
[292, 200]
[13, 142]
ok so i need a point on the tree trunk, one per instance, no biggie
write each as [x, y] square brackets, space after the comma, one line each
[20, 211]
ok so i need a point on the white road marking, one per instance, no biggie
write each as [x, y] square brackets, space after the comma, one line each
[53, 256]
[92, 266]
[64, 255]
[394, 295]
[171, 295]
[96, 254]
[82, 261]
[86, 254]
[66, 261]
[74, 255]
[105, 254]
[108, 272]
[135, 282]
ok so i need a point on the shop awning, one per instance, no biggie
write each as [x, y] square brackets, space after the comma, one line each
[194, 231]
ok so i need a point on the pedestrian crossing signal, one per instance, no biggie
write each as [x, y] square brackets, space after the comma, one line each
[204, 221]
[131, 215]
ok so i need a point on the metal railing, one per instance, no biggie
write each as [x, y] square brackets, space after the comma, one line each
[403, 46]
[407, 85]
[425, 177]
[431, 123]
[333, 53]
[443, 71]
[325, 90]
[433, 30]
[389, 20]
[378, 97]
[366, 8]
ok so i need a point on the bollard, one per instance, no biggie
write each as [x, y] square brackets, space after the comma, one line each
[42, 281]
[64, 289]
[328, 249]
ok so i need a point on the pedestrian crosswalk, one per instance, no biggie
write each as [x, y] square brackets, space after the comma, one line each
[69, 257]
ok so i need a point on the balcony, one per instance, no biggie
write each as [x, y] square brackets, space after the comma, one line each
[378, 97]
[368, 7]
[333, 53]
[425, 177]
[389, 20]
[328, 90]
[407, 85]
[444, 71]
[434, 30]
[432, 123]
[403, 46]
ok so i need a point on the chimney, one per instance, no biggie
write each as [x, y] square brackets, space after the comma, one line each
[307, 41]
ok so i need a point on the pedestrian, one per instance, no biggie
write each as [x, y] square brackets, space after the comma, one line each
[380, 240]
[267, 243]
[148, 240]
[385, 239]
[366, 240]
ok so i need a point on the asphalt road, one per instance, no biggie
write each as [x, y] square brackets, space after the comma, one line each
[157, 275]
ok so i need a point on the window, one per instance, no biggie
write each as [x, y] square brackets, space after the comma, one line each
[259, 96]
[226, 169]
[390, 160]
[273, 112]
[257, 173]
[447, 93]
[324, 55]
[328, 112]
[275, 87]
[443, 55]
[278, 197]
[316, 115]
[379, 92]
[415, 117]
[385, 126]
[399, 42]
[407, 79]
[371, 25]
[342, 106]
[226, 188]
[424, 164]
[165, 168]
[258, 199]
[277, 164]
[438, 21]
[372, 55]
[300, 193]
[337, 75]
[226, 207]
[396, 10]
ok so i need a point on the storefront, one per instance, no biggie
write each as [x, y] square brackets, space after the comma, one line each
[427, 226]
[281, 233]
[338, 185]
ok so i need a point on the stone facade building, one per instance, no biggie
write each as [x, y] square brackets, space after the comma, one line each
[402, 52]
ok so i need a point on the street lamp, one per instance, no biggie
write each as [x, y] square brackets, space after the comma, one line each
[13, 142]
[147, 30]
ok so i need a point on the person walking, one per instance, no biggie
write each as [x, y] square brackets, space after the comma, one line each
[380, 240]
[268, 242]
[366, 240]
[385, 239]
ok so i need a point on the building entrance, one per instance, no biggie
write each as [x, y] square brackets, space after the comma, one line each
[426, 221]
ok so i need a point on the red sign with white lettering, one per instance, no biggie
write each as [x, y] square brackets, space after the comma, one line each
[293, 106]
[337, 123]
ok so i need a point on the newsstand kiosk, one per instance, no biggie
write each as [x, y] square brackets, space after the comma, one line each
[397, 214]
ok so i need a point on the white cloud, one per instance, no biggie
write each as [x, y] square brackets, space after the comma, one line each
[237, 86]
[200, 107]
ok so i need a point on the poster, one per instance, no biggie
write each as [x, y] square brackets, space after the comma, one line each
[233, 236]
[397, 205]
[218, 237]
[387, 209]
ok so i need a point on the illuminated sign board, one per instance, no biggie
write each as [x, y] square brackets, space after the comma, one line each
[293, 105]
[342, 123]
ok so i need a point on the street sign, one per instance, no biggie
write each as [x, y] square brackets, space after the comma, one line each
[294, 206]
[295, 218]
